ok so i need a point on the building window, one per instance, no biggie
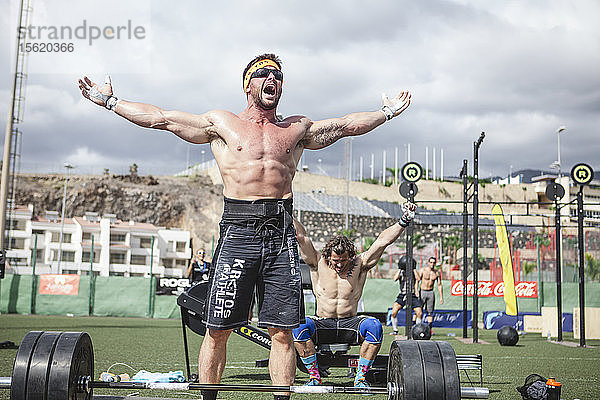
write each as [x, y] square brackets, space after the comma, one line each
[39, 255]
[17, 243]
[40, 234]
[117, 258]
[86, 236]
[85, 256]
[145, 243]
[68, 256]
[16, 225]
[180, 246]
[56, 237]
[117, 237]
[138, 260]
[180, 263]
[167, 262]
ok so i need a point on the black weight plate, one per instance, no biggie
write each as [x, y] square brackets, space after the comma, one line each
[37, 381]
[433, 371]
[18, 383]
[406, 188]
[73, 358]
[394, 371]
[451, 376]
[555, 191]
[405, 368]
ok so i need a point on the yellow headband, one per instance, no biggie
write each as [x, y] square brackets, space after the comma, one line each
[258, 65]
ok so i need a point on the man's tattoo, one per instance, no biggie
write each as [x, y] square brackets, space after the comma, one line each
[327, 135]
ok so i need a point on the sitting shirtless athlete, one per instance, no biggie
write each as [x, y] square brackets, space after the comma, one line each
[338, 276]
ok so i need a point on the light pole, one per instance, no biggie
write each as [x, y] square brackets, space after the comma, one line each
[68, 167]
[558, 131]
[559, 243]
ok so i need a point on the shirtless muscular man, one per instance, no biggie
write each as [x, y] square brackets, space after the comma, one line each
[338, 277]
[257, 155]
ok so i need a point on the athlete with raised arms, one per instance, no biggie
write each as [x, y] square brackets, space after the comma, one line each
[257, 155]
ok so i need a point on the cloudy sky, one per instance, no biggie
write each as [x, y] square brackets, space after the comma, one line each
[517, 70]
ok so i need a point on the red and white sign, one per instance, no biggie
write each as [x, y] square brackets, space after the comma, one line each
[59, 284]
[494, 289]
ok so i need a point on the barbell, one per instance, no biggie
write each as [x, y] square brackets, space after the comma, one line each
[59, 366]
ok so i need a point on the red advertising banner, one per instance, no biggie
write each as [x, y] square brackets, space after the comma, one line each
[59, 284]
[494, 289]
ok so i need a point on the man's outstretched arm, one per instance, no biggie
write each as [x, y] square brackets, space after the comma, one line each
[190, 127]
[323, 133]
[388, 236]
[307, 250]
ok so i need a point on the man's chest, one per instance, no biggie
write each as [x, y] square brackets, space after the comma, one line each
[340, 284]
[429, 275]
[273, 140]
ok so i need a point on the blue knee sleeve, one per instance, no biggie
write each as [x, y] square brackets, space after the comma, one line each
[305, 331]
[371, 330]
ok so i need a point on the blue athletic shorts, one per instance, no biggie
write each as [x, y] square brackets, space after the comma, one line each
[340, 330]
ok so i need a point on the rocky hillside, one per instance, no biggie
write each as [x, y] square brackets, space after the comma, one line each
[193, 204]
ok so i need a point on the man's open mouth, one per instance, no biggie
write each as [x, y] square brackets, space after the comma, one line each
[270, 89]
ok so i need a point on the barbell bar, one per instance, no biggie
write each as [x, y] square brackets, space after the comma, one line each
[59, 366]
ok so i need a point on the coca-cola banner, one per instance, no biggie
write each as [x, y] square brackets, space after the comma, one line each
[494, 289]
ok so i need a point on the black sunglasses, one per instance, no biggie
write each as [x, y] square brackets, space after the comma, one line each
[264, 72]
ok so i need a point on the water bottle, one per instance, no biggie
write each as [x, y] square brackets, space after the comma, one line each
[108, 377]
[553, 389]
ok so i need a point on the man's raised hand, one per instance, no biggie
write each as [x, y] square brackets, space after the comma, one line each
[395, 106]
[408, 213]
[101, 95]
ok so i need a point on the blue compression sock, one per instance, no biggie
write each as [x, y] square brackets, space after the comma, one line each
[363, 367]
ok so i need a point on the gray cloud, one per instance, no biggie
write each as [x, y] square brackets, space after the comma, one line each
[515, 70]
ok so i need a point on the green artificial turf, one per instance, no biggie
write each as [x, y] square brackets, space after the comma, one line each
[156, 345]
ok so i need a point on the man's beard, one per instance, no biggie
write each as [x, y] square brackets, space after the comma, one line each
[258, 101]
[262, 105]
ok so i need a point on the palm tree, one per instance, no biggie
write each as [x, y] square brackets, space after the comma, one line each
[451, 244]
[592, 267]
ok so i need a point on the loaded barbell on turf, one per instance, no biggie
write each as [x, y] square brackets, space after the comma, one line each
[59, 366]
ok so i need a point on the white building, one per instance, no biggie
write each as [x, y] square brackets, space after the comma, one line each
[119, 248]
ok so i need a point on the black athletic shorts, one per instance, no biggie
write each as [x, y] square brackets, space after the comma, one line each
[401, 299]
[257, 248]
[338, 330]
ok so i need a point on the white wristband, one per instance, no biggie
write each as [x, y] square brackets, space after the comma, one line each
[387, 111]
[111, 103]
